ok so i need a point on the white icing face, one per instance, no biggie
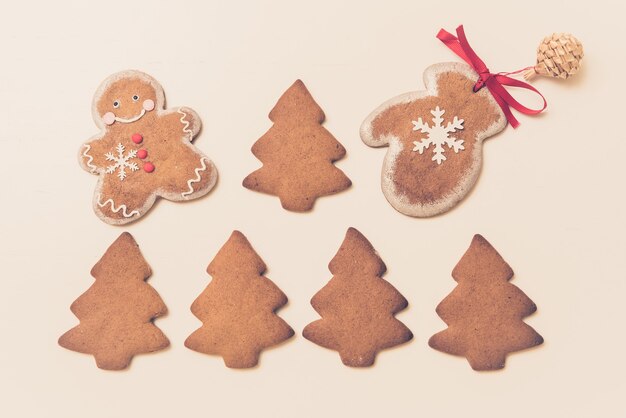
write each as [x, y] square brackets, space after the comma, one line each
[126, 100]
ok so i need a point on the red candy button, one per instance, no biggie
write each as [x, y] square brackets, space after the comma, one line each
[142, 153]
[137, 138]
[148, 167]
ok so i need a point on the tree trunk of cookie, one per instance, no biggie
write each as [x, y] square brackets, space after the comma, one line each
[360, 359]
[486, 361]
[241, 359]
[110, 360]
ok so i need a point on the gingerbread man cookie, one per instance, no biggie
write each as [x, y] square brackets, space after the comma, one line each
[143, 150]
[435, 139]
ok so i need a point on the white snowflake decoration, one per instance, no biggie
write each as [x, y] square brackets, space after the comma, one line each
[438, 135]
[121, 161]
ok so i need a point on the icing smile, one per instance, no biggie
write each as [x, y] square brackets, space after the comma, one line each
[133, 119]
[109, 118]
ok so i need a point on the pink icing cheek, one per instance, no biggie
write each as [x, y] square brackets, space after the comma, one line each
[109, 118]
[148, 105]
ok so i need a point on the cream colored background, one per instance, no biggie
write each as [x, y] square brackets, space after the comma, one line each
[550, 199]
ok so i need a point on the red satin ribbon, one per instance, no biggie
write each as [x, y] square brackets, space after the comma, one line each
[494, 82]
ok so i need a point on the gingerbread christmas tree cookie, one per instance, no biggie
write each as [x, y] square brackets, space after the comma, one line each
[357, 306]
[143, 151]
[117, 312]
[485, 312]
[297, 154]
[238, 307]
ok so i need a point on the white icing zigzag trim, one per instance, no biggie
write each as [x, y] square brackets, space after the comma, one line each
[186, 125]
[120, 207]
[89, 163]
[197, 179]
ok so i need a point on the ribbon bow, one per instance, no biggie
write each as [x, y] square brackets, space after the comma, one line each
[494, 82]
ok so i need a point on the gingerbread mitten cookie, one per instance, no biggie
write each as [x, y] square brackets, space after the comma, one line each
[357, 306]
[435, 139]
[143, 151]
[485, 312]
[117, 312]
[297, 154]
[238, 308]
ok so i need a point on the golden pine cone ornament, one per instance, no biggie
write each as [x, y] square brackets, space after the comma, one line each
[559, 55]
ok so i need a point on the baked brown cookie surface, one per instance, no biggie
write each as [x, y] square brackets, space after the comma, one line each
[143, 151]
[238, 307]
[435, 138]
[297, 154]
[357, 306]
[117, 312]
[485, 312]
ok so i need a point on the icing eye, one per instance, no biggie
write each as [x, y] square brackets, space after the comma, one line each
[116, 104]
[135, 98]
